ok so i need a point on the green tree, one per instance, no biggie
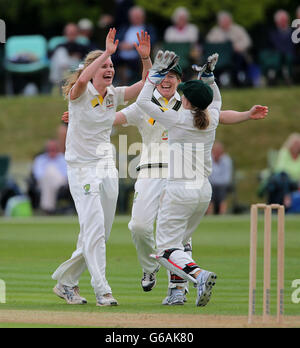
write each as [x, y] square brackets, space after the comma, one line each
[40, 15]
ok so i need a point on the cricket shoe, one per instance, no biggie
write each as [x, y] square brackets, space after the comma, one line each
[149, 280]
[70, 294]
[106, 300]
[184, 296]
[205, 281]
[174, 299]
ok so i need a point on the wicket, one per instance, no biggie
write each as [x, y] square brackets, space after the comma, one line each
[267, 260]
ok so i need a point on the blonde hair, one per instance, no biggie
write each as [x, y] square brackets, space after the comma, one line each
[71, 80]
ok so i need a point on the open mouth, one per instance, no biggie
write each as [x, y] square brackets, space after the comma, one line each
[166, 87]
[107, 77]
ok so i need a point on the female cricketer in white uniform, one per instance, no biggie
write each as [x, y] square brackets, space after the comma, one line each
[92, 175]
[188, 192]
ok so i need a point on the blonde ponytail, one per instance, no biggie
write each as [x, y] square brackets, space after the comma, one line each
[201, 118]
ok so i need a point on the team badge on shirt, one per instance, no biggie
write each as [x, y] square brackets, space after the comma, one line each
[109, 103]
[87, 188]
[165, 135]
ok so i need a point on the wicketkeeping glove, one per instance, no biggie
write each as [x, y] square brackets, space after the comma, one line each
[205, 72]
[163, 63]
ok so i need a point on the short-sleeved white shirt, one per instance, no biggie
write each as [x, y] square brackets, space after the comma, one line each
[188, 145]
[154, 134]
[90, 123]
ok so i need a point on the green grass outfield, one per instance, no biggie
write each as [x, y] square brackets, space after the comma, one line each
[30, 250]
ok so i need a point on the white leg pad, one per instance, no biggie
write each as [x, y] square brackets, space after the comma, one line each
[168, 265]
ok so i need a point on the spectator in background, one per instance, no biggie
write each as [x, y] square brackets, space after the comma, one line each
[280, 40]
[66, 56]
[220, 179]
[86, 32]
[50, 172]
[127, 59]
[288, 166]
[186, 33]
[289, 157]
[285, 180]
[226, 30]
[181, 30]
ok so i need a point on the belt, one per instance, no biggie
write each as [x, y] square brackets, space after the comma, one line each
[152, 165]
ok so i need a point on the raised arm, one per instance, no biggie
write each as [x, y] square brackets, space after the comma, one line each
[163, 63]
[257, 112]
[119, 120]
[166, 118]
[90, 71]
[205, 73]
[217, 101]
[143, 49]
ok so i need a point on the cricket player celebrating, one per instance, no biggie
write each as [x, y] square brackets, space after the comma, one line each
[92, 175]
[153, 172]
[186, 197]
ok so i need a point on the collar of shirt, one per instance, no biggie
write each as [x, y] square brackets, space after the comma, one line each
[93, 90]
[158, 96]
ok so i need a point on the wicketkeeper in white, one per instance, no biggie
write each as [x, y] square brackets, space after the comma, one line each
[92, 174]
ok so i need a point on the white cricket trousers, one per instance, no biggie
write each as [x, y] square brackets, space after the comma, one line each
[181, 211]
[95, 200]
[144, 213]
[148, 194]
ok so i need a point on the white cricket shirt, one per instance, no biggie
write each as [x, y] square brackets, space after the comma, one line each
[154, 134]
[189, 147]
[90, 124]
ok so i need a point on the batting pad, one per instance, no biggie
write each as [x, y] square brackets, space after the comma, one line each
[169, 266]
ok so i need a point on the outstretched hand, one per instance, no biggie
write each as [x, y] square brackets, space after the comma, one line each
[144, 46]
[258, 112]
[205, 72]
[111, 44]
[163, 63]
